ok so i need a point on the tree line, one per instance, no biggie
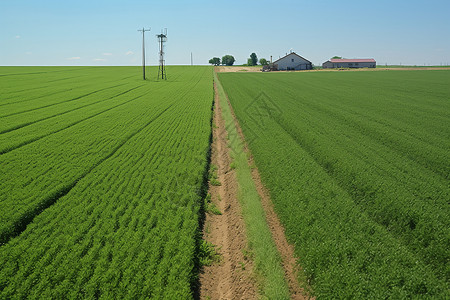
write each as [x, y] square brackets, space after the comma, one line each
[228, 60]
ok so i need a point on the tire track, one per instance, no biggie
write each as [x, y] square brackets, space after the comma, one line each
[72, 99]
[20, 225]
[4, 151]
[39, 87]
[58, 92]
[34, 73]
[65, 112]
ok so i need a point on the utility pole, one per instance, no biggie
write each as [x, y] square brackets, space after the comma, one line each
[143, 49]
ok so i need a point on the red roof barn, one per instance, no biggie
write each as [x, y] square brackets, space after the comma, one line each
[350, 63]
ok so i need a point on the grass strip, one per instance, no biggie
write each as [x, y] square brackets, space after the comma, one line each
[266, 256]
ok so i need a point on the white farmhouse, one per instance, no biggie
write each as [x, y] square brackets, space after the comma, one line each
[349, 63]
[292, 61]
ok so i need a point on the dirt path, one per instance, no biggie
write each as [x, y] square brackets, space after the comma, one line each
[232, 278]
[228, 69]
[286, 250]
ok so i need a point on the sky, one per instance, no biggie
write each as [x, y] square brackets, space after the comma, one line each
[100, 32]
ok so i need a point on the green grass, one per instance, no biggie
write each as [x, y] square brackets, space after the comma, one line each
[410, 66]
[357, 167]
[102, 181]
[265, 254]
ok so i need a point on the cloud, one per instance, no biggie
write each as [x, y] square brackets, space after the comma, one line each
[99, 59]
[28, 53]
[74, 58]
[129, 53]
[107, 54]
[17, 36]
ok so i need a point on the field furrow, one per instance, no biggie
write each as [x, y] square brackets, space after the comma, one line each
[24, 136]
[11, 112]
[19, 98]
[31, 117]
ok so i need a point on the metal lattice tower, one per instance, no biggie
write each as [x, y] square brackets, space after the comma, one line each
[162, 38]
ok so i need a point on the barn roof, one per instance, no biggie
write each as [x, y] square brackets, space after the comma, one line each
[292, 53]
[357, 60]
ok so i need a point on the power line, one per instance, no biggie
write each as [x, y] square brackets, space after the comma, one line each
[143, 49]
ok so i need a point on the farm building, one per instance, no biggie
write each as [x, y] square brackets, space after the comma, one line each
[292, 61]
[350, 63]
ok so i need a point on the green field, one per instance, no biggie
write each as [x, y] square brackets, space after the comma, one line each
[357, 164]
[102, 181]
[104, 174]
[411, 66]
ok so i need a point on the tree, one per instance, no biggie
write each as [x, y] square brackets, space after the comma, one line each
[249, 62]
[263, 62]
[336, 57]
[254, 59]
[215, 61]
[228, 60]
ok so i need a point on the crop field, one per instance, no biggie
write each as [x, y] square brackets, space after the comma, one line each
[357, 165]
[102, 179]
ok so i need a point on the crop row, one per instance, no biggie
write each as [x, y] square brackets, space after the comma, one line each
[357, 173]
[127, 227]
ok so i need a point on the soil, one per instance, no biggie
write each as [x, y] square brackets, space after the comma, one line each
[232, 277]
[228, 69]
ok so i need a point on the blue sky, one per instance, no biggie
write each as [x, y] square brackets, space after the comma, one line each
[100, 32]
